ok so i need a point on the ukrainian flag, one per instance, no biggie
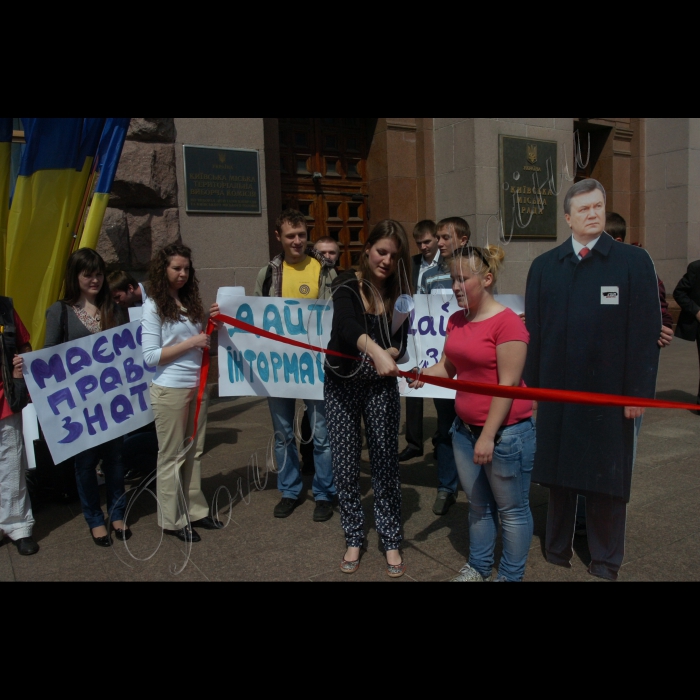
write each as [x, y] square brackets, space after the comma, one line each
[53, 174]
[108, 153]
[5, 162]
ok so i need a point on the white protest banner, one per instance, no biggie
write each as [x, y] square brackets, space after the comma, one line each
[515, 302]
[250, 365]
[90, 390]
[253, 366]
[426, 339]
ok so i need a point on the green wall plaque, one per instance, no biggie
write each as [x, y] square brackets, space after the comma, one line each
[222, 180]
[528, 175]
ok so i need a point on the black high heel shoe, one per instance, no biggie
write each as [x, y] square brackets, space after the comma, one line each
[104, 541]
[121, 534]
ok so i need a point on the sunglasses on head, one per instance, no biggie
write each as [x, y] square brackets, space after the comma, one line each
[469, 250]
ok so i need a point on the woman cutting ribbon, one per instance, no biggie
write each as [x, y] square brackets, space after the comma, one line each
[363, 303]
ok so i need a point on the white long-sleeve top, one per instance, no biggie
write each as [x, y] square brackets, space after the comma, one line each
[183, 373]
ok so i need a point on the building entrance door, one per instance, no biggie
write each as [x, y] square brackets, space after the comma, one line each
[324, 175]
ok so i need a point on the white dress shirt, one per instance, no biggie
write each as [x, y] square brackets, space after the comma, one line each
[182, 373]
[578, 247]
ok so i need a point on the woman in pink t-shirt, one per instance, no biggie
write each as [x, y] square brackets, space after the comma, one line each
[493, 438]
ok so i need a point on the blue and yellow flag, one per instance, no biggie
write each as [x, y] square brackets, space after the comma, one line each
[49, 195]
[5, 163]
[106, 161]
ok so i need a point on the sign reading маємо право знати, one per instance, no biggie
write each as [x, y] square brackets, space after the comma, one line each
[222, 180]
[528, 171]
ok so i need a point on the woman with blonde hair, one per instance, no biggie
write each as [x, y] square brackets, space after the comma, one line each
[173, 342]
[493, 438]
[363, 304]
[87, 308]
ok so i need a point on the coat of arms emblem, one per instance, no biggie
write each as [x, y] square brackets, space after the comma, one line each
[532, 153]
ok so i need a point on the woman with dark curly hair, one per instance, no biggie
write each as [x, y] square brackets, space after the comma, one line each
[173, 341]
[87, 308]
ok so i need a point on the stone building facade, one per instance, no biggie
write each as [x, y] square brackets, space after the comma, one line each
[347, 174]
[143, 212]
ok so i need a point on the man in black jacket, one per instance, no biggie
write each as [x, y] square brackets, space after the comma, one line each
[687, 295]
[424, 234]
[593, 314]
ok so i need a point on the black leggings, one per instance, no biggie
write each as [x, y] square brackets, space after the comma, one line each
[376, 399]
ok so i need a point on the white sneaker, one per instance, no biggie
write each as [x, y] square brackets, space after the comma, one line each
[467, 573]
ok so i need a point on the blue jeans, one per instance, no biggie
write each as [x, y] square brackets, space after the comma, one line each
[86, 479]
[448, 479]
[501, 487]
[289, 478]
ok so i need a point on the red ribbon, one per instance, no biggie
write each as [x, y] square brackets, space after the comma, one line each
[507, 392]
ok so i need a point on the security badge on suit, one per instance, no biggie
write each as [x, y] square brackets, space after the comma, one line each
[610, 295]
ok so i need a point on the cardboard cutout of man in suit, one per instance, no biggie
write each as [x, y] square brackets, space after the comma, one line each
[593, 314]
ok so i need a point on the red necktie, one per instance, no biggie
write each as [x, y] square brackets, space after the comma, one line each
[584, 252]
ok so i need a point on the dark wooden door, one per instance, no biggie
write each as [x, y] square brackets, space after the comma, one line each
[324, 175]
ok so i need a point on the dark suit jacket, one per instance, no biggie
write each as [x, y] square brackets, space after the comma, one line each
[579, 343]
[687, 295]
[415, 270]
[666, 318]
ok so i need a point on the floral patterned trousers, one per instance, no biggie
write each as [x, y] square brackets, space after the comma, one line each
[376, 399]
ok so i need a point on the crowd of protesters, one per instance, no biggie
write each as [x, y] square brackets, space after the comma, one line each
[593, 286]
